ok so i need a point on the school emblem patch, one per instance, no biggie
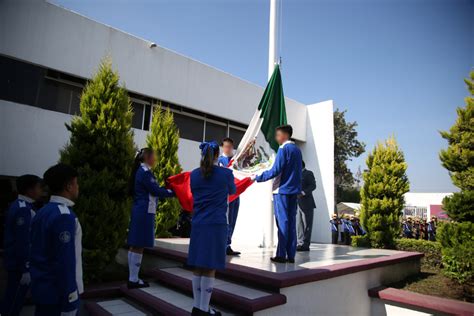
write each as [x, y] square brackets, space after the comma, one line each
[65, 237]
[20, 221]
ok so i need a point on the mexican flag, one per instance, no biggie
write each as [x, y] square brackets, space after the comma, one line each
[257, 149]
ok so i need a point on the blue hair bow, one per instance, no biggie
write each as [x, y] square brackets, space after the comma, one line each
[205, 146]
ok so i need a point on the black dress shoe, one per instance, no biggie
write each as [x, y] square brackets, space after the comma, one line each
[301, 248]
[197, 312]
[291, 260]
[231, 252]
[137, 285]
[278, 259]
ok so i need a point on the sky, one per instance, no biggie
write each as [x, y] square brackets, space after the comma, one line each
[396, 66]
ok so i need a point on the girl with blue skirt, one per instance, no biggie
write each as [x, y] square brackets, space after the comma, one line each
[141, 233]
[211, 186]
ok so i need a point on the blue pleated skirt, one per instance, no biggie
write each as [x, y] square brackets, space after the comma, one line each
[141, 231]
[207, 247]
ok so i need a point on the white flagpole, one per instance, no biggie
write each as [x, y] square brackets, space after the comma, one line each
[269, 241]
[273, 36]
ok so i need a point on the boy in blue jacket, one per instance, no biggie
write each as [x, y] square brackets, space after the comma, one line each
[55, 263]
[287, 170]
[17, 243]
[223, 161]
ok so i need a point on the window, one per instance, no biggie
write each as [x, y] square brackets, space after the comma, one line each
[137, 119]
[189, 127]
[55, 96]
[215, 132]
[236, 135]
[19, 81]
[146, 122]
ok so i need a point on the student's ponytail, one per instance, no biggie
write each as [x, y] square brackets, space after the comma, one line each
[139, 159]
[209, 153]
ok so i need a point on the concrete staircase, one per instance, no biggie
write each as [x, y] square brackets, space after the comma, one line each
[170, 293]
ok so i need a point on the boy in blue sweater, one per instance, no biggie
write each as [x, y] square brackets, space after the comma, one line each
[287, 171]
[17, 243]
[223, 161]
[55, 263]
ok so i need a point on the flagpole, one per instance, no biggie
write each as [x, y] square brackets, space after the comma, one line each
[273, 36]
[269, 242]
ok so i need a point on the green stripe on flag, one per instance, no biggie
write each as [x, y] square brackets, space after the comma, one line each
[272, 107]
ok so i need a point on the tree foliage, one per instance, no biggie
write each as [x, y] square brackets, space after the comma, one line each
[458, 159]
[385, 183]
[164, 140]
[101, 149]
[346, 146]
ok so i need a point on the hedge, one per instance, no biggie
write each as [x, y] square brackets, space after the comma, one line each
[431, 250]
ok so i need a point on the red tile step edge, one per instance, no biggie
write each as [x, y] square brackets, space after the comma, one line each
[275, 281]
[152, 303]
[427, 302]
[220, 297]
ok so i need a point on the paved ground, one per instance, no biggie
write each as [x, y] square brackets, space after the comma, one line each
[320, 255]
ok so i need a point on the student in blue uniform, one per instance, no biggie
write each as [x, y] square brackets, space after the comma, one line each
[141, 233]
[287, 170]
[334, 228]
[211, 186]
[17, 243]
[223, 161]
[56, 250]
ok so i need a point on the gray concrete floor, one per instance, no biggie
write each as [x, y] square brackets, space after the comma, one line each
[319, 256]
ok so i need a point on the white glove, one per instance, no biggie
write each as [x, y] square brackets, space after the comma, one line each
[25, 279]
[71, 313]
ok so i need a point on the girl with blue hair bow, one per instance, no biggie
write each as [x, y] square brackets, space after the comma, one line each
[211, 186]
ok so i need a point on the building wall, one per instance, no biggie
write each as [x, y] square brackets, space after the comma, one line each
[48, 35]
[31, 139]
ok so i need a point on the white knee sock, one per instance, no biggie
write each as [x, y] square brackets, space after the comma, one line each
[134, 263]
[197, 291]
[207, 285]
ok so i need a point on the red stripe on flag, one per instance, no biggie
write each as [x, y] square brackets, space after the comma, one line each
[180, 184]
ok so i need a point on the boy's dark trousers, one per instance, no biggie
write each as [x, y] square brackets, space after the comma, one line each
[335, 235]
[15, 294]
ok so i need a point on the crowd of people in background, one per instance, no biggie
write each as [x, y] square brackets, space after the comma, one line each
[417, 228]
[344, 227]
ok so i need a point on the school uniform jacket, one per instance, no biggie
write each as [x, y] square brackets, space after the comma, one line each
[56, 255]
[147, 191]
[287, 169]
[211, 195]
[17, 234]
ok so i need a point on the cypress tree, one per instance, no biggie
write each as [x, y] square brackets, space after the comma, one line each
[164, 140]
[385, 183]
[101, 149]
[458, 159]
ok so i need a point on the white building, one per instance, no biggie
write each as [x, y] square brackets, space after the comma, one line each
[46, 55]
[424, 205]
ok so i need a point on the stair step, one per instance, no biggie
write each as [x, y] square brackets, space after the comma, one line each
[241, 298]
[117, 306]
[164, 300]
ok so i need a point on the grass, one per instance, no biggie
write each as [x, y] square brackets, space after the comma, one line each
[433, 282]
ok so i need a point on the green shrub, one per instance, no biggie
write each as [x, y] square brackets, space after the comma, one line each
[101, 149]
[431, 250]
[457, 241]
[164, 139]
[361, 241]
[382, 201]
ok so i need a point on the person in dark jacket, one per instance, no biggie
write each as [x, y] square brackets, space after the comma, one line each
[306, 208]
[17, 243]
